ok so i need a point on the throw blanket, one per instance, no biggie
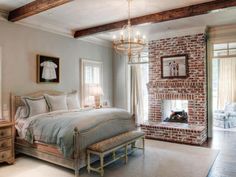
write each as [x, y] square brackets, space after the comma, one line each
[57, 128]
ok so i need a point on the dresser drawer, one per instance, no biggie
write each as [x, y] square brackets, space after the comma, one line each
[5, 155]
[5, 143]
[5, 132]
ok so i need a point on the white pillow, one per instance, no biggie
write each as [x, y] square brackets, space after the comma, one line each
[35, 106]
[73, 101]
[57, 103]
[21, 112]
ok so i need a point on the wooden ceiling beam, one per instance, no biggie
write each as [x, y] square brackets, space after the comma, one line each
[33, 8]
[189, 11]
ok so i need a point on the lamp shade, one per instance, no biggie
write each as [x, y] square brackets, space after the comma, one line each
[95, 90]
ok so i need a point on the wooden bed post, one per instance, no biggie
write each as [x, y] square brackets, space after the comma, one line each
[76, 153]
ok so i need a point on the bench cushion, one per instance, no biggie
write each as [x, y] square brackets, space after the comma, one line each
[115, 141]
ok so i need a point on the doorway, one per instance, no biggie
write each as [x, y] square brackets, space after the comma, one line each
[223, 90]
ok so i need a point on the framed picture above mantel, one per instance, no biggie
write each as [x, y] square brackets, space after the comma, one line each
[175, 66]
[48, 69]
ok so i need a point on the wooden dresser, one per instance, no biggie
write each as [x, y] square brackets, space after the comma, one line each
[7, 142]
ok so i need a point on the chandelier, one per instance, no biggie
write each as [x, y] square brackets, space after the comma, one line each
[129, 43]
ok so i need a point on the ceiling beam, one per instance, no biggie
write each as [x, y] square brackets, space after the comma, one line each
[33, 8]
[168, 15]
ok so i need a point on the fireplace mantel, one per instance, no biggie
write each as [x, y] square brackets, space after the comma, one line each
[174, 84]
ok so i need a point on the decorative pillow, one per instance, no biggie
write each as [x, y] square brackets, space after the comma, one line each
[35, 106]
[56, 103]
[73, 100]
[21, 112]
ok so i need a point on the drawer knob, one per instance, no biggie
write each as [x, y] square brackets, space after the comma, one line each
[3, 145]
[2, 133]
[3, 155]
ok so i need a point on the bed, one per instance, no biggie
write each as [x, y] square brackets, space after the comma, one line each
[62, 137]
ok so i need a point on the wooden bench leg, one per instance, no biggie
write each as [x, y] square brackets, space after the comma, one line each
[88, 162]
[114, 155]
[132, 145]
[102, 164]
[76, 166]
[77, 173]
[143, 144]
[126, 154]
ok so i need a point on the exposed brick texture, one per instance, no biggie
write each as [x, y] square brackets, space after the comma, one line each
[194, 134]
[193, 88]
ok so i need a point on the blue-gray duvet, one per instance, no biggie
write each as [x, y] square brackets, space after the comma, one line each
[57, 128]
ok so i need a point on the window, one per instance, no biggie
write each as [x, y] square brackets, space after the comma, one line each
[224, 49]
[223, 74]
[91, 75]
[144, 81]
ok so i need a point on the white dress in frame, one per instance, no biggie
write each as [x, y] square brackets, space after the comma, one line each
[49, 70]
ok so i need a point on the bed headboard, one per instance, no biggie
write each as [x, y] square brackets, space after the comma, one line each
[16, 99]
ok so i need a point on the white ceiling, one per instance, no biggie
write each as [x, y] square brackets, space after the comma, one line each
[8, 5]
[80, 14]
[154, 31]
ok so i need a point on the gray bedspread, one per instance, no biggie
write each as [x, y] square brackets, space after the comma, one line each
[93, 125]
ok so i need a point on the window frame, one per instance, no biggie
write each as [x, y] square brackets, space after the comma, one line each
[83, 64]
[227, 49]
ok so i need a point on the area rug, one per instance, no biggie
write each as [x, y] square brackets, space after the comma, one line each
[161, 159]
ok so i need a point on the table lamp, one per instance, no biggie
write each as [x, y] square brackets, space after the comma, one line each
[97, 92]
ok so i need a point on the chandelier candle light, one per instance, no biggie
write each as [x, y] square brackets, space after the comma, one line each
[128, 43]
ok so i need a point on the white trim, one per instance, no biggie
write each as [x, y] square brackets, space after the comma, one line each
[177, 33]
[97, 41]
[209, 90]
[220, 34]
[89, 39]
[3, 15]
[47, 29]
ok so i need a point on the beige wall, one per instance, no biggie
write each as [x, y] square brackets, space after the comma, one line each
[21, 44]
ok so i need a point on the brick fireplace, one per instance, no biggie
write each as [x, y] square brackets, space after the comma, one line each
[193, 88]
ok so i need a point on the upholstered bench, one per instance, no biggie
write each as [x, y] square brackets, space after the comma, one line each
[124, 141]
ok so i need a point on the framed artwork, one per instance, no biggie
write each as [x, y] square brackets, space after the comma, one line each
[48, 69]
[175, 66]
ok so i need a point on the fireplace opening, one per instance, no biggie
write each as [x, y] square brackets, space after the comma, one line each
[175, 111]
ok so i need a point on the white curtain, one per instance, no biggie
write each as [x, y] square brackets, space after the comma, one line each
[136, 94]
[227, 82]
[88, 100]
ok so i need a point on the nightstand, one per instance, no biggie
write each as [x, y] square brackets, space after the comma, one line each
[7, 153]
